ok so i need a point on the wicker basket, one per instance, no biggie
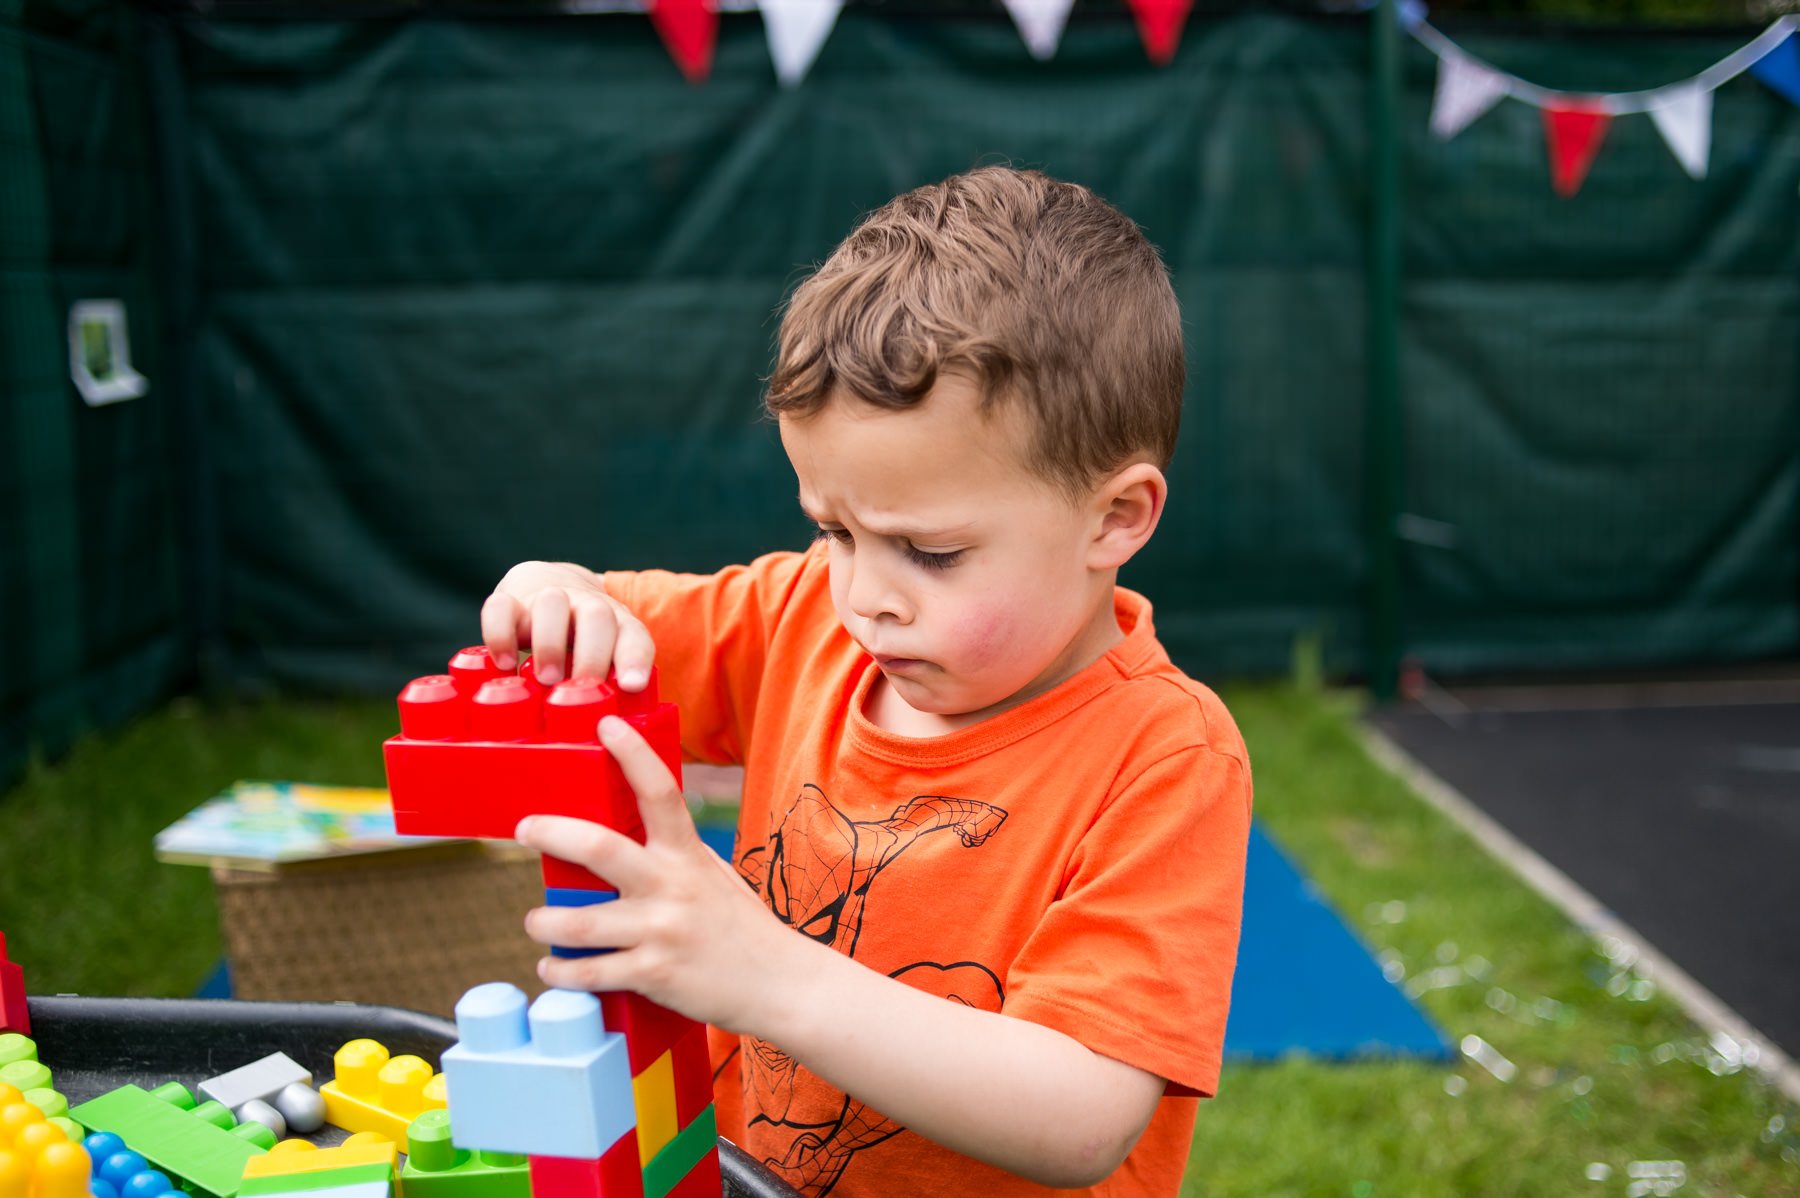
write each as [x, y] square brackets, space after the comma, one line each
[413, 929]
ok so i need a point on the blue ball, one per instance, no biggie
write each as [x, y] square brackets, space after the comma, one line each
[99, 1187]
[102, 1144]
[120, 1167]
[148, 1184]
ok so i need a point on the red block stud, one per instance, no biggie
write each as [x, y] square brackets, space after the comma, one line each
[432, 709]
[573, 709]
[473, 666]
[505, 709]
[13, 1015]
[615, 1175]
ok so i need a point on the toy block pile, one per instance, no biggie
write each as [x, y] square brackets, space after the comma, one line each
[608, 1095]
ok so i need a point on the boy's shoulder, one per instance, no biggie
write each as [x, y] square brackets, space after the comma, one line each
[1169, 709]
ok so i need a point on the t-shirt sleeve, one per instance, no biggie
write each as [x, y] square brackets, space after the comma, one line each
[1134, 960]
[712, 634]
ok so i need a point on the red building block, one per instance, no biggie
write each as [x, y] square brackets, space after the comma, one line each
[704, 1180]
[650, 1030]
[615, 1175]
[476, 762]
[13, 1015]
[693, 1075]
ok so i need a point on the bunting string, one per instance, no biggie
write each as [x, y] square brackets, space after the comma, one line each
[1575, 123]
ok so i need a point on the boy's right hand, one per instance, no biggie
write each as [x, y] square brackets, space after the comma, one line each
[573, 628]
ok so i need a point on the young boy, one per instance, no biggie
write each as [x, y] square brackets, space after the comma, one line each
[980, 932]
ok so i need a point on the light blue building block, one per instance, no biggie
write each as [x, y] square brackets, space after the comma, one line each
[551, 1083]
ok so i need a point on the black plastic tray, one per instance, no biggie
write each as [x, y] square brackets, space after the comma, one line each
[93, 1045]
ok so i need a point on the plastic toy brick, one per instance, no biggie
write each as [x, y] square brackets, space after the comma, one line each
[614, 1175]
[650, 1030]
[565, 896]
[694, 1144]
[551, 1082]
[118, 1170]
[436, 1168]
[200, 1144]
[14, 1016]
[36, 1159]
[22, 1075]
[653, 1093]
[293, 1166]
[704, 1180]
[474, 762]
[277, 1081]
[692, 1060]
[375, 1092]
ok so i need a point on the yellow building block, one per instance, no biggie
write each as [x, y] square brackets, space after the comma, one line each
[653, 1093]
[300, 1156]
[374, 1093]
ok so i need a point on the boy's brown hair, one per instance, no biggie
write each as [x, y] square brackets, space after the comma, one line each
[1040, 290]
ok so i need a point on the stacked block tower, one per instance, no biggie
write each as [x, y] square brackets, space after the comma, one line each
[608, 1095]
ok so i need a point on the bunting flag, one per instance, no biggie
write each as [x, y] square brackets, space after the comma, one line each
[797, 29]
[1575, 123]
[689, 28]
[1466, 88]
[1159, 23]
[1574, 133]
[1684, 118]
[1780, 68]
[1040, 24]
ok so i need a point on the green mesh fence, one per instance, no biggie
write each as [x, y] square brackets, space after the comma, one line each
[89, 592]
[450, 293]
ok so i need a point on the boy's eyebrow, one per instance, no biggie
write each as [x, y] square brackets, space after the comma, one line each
[910, 532]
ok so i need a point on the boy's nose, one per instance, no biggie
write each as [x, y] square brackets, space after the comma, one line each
[872, 594]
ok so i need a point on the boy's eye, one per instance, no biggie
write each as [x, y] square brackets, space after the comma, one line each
[840, 535]
[933, 561]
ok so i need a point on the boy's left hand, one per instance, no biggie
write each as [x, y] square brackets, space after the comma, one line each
[688, 933]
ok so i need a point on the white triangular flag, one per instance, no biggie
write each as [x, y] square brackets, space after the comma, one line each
[1040, 23]
[796, 30]
[1466, 88]
[1683, 115]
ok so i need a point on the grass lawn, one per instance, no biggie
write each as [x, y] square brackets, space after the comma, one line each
[1606, 1072]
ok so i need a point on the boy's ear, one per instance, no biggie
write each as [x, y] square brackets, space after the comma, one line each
[1127, 506]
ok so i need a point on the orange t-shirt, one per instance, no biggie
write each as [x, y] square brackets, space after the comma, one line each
[1077, 861]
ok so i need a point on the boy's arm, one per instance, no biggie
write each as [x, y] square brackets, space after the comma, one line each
[691, 936]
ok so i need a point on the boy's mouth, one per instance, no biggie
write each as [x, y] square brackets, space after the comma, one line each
[896, 664]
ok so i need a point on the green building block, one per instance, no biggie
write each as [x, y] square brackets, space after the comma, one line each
[15, 1047]
[436, 1168]
[202, 1145]
[319, 1179]
[680, 1155]
[20, 1067]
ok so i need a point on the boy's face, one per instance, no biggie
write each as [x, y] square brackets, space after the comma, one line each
[969, 579]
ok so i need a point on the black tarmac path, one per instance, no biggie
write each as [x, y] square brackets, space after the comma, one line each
[1676, 806]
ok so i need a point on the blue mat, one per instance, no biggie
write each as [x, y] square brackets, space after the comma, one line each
[1306, 985]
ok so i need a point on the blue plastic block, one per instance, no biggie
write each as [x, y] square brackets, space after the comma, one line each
[561, 896]
[551, 1083]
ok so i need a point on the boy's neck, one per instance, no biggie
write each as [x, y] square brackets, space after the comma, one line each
[888, 711]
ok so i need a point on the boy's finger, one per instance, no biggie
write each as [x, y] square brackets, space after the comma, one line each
[634, 653]
[500, 616]
[600, 850]
[660, 801]
[597, 926]
[596, 631]
[598, 973]
[550, 634]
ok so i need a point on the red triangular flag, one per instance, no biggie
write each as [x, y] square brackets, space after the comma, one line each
[1159, 23]
[688, 28]
[1574, 134]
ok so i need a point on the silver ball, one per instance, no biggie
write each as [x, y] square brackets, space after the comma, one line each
[302, 1106]
[258, 1111]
